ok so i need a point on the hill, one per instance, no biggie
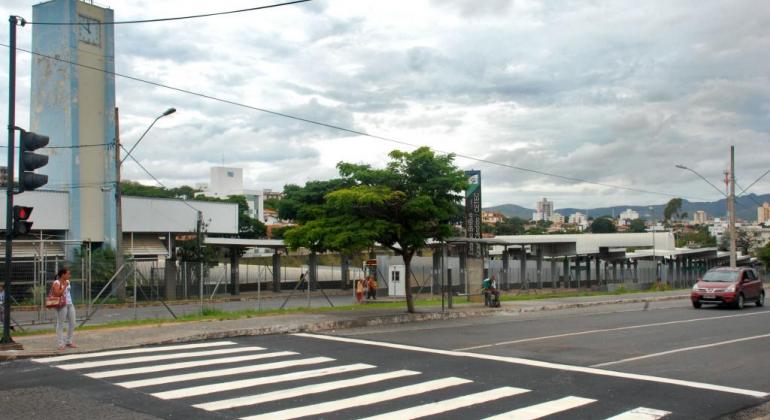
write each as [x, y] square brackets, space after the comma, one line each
[746, 209]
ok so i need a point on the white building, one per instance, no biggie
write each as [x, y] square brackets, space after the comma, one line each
[226, 181]
[544, 210]
[629, 214]
[557, 219]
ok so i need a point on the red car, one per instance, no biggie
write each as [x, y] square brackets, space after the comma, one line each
[731, 286]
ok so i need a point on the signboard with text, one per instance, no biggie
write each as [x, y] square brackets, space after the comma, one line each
[473, 205]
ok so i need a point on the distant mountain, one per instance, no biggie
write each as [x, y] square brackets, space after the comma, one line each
[512, 210]
[746, 209]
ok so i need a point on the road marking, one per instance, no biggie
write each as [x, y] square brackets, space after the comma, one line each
[545, 409]
[641, 413]
[132, 351]
[547, 365]
[360, 400]
[223, 372]
[630, 327]
[451, 404]
[141, 359]
[286, 377]
[184, 365]
[679, 350]
[283, 394]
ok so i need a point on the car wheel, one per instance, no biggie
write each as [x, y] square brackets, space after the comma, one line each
[740, 303]
[696, 304]
[761, 299]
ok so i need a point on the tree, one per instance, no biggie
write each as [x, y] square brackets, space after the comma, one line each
[745, 241]
[401, 207]
[603, 225]
[510, 226]
[637, 226]
[672, 209]
[699, 237]
[764, 255]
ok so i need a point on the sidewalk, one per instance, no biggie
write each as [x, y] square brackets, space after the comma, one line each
[114, 338]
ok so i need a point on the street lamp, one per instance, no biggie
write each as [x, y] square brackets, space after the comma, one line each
[730, 202]
[164, 114]
[118, 206]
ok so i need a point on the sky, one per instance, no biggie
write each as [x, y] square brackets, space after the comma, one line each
[611, 92]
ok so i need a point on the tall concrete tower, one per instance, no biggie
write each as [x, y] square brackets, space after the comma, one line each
[73, 102]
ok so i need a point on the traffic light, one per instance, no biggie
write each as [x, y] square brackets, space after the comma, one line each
[20, 224]
[29, 161]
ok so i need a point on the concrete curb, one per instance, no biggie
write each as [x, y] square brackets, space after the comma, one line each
[369, 321]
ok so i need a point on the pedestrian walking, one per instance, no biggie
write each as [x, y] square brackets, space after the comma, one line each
[61, 287]
[371, 288]
[359, 290]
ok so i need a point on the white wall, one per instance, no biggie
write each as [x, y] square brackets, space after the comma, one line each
[51, 209]
[142, 214]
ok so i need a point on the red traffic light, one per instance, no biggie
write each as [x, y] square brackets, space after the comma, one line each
[21, 212]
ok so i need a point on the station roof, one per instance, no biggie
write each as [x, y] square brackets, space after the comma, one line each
[245, 243]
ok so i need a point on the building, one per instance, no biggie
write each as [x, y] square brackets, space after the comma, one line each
[557, 219]
[491, 217]
[699, 217]
[75, 106]
[763, 214]
[227, 181]
[579, 219]
[270, 194]
[629, 214]
[543, 210]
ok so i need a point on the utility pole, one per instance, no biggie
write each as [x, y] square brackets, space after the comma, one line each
[120, 291]
[6, 341]
[731, 209]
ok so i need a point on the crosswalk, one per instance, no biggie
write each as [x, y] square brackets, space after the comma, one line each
[251, 382]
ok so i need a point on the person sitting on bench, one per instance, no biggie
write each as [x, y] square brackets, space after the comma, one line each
[489, 287]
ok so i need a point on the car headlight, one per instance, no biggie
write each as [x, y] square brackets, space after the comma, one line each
[730, 288]
[695, 288]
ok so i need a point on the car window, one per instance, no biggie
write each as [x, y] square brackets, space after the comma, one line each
[751, 274]
[721, 276]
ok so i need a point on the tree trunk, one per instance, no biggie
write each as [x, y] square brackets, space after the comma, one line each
[408, 282]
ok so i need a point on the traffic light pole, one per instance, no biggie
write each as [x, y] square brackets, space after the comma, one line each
[6, 341]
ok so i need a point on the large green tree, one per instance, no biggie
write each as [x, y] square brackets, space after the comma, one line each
[673, 209]
[413, 199]
[603, 225]
[637, 226]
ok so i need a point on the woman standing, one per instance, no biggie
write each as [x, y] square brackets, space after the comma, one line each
[61, 287]
[359, 290]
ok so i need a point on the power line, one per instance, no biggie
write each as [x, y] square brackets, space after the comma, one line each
[230, 12]
[352, 131]
[77, 146]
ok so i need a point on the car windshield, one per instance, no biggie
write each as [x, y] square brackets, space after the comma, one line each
[721, 276]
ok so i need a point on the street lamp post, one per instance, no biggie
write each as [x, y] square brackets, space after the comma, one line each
[730, 203]
[119, 285]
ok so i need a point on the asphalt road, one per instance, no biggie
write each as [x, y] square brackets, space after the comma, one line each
[563, 364]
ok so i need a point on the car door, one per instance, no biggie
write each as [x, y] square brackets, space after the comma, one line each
[750, 284]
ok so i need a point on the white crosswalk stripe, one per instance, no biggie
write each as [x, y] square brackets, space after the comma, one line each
[303, 390]
[544, 409]
[143, 359]
[360, 400]
[641, 413]
[265, 380]
[133, 351]
[185, 365]
[223, 372]
[451, 404]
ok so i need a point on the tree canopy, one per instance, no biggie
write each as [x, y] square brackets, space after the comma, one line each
[411, 200]
[603, 225]
[673, 209]
[637, 226]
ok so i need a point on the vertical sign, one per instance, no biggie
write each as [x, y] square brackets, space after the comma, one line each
[473, 204]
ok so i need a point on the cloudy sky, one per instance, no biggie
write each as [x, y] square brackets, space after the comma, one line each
[613, 92]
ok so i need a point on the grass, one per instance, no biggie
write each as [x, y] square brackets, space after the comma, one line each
[213, 314]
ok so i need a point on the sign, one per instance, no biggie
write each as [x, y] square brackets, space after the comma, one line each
[473, 205]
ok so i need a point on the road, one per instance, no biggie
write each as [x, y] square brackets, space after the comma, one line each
[634, 360]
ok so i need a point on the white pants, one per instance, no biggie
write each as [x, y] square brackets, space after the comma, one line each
[65, 313]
